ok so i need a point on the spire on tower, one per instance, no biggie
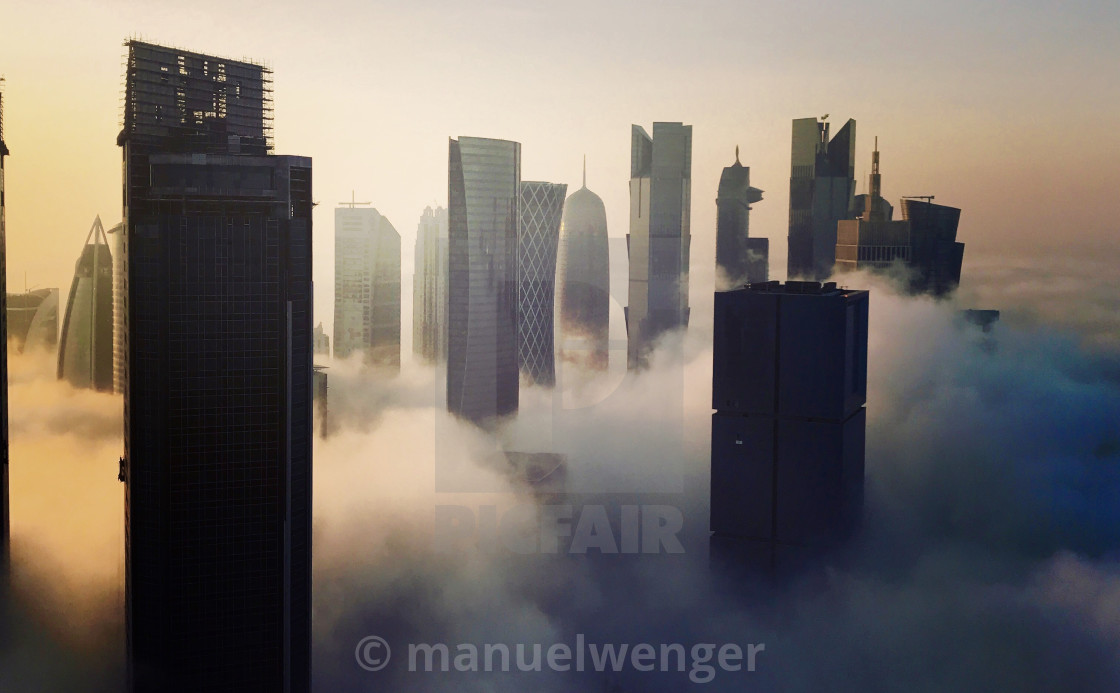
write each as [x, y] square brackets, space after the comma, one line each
[585, 170]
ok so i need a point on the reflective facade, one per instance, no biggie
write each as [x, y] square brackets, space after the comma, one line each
[821, 188]
[659, 238]
[116, 249]
[85, 351]
[789, 385]
[484, 211]
[367, 287]
[429, 287]
[33, 320]
[740, 259]
[218, 392]
[583, 274]
[542, 206]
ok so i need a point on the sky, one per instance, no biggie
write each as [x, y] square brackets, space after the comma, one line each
[1006, 110]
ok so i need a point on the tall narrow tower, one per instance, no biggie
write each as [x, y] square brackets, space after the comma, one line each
[740, 259]
[85, 351]
[821, 186]
[583, 273]
[659, 238]
[218, 392]
[4, 522]
[484, 212]
[542, 205]
[367, 286]
[429, 287]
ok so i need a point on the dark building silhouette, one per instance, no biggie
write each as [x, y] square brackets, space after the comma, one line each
[740, 259]
[218, 400]
[320, 389]
[583, 272]
[4, 523]
[935, 254]
[484, 212]
[821, 186]
[659, 238]
[789, 386]
[33, 320]
[924, 240]
[85, 350]
[542, 205]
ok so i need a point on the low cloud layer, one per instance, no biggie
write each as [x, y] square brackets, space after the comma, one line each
[987, 562]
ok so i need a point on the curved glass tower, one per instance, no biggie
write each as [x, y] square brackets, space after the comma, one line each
[85, 352]
[583, 277]
[542, 205]
[484, 209]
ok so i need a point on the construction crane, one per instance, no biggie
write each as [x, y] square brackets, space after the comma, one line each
[351, 204]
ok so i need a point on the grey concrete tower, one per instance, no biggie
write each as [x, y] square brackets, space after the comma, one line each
[429, 287]
[367, 286]
[740, 259]
[583, 273]
[659, 238]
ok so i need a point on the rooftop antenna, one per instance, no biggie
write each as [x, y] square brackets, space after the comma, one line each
[585, 170]
[351, 204]
[737, 154]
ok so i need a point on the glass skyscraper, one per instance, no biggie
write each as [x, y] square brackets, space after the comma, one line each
[484, 211]
[367, 287]
[821, 189]
[218, 399]
[85, 350]
[429, 287]
[542, 206]
[659, 238]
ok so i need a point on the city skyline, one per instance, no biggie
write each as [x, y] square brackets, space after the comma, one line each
[977, 109]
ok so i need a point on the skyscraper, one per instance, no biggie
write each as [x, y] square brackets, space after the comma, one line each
[85, 351]
[740, 259]
[429, 287]
[583, 271]
[4, 524]
[367, 287]
[120, 357]
[218, 401]
[321, 341]
[542, 205]
[789, 384]
[935, 254]
[659, 238]
[874, 239]
[33, 320]
[925, 240]
[484, 211]
[821, 186]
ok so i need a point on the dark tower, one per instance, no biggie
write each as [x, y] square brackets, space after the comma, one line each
[538, 236]
[4, 522]
[740, 259]
[218, 399]
[789, 384]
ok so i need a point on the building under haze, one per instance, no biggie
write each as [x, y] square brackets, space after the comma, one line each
[924, 241]
[4, 522]
[367, 287]
[120, 337]
[542, 206]
[321, 342]
[33, 320]
[821, 187]
[740, 259]
[484, 199]
[659, 238]
[85, 350]
[218, 391]
[429, 287]
[583, 276]
[789, 386]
